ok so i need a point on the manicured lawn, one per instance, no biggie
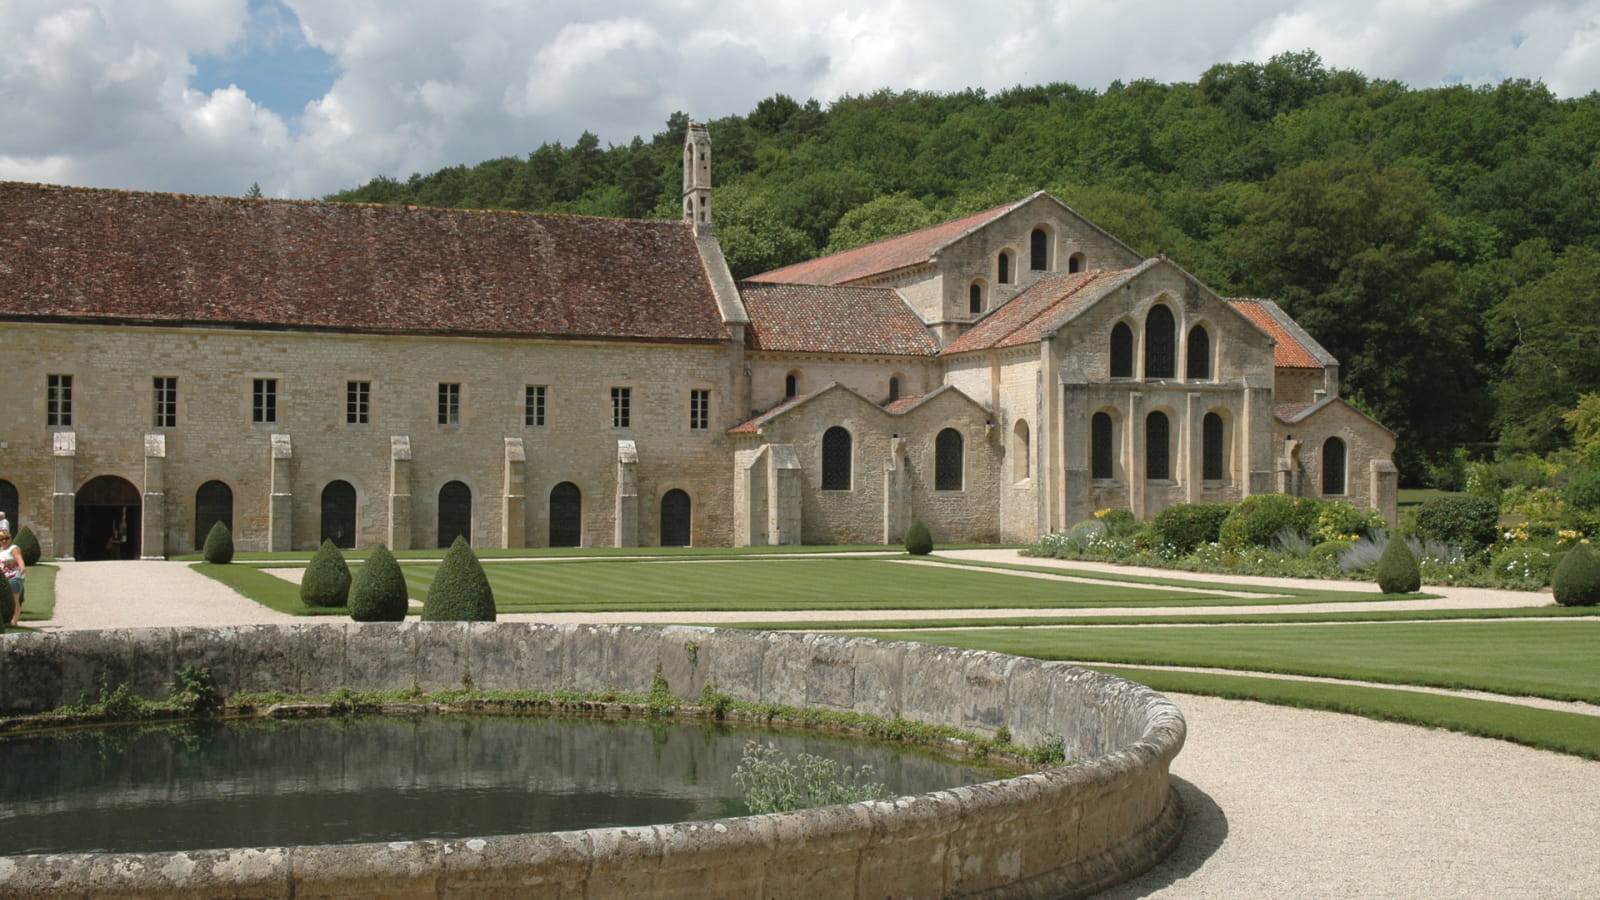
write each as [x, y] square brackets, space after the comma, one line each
[1554, 659]
[39, 600]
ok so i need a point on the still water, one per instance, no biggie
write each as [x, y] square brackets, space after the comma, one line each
[326, 781]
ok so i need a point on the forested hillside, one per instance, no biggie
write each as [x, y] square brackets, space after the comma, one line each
[1443, 243]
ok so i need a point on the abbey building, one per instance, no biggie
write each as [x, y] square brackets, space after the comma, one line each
[308, 370]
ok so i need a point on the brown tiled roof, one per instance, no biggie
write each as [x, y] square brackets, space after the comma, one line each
[883, 256]
[897, 407]
[1036, 312]
[117, 256]
[1288, 411]
[754, 423]
[811, 318]
[1292, 352]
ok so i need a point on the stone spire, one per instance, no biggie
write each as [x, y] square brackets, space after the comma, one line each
[697, 177]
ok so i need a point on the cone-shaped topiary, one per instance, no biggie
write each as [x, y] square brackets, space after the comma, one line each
[1576, 580]
[918, 541]
[327, 578]
[1397, 569]
[460, 591]
[28, 544]
[378, 593]
[219, 545]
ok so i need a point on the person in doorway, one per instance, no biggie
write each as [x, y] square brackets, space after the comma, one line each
[12, 568]
[5, 523]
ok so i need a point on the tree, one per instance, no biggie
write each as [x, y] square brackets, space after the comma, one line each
[255, 191]
[379, 593]
[1551, 330]
[460, 591]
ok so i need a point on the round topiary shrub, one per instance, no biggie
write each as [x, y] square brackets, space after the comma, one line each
[28, 544]
[378, 593]
[1576, 580]
[460, 591]
[1398, 572]
[1584, 492]
[1470, 523]
[327, 578]
[918, 541]
[1188, 525]
[219, 545]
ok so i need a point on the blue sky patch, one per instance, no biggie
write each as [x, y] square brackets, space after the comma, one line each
[272, 63]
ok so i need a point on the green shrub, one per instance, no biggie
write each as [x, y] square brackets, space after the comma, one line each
[1524, 565]
[1119, 523]
[460, 591]
[1188, 525]
[1398, 572]
[1576, 580]
[378, 593]
[1470, 523]
[1584, 492]
[1258, 519]
[327, 578]
[28, 543]
[918, 541]
[1330, 550]
[1343, 522]
[219, 545]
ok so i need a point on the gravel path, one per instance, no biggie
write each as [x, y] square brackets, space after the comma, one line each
[1281, 802]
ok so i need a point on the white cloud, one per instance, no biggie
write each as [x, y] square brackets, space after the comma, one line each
[101, 91]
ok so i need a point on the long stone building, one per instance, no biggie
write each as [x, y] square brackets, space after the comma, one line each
[309, 370]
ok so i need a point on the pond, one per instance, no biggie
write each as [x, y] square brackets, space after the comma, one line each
[327, 781]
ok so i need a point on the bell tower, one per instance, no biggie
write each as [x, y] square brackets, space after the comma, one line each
[697, 177]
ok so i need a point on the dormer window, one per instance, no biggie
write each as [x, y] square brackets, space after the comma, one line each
[1039, 250]
[975, 298]
[1004, 273]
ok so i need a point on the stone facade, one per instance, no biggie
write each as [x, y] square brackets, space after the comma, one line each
[370, 374]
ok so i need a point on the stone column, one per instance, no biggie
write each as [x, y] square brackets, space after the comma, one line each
[153, 520]
[280, 513]
[627, 520]
[1385, 489]
[513, 513]
[64, 500]
[1077, 480]
[1191, 447]
[896, 509]
[399, 492]
[1133, 437]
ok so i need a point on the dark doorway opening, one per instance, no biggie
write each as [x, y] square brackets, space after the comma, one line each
[566, 515]
[339, 514]
[455, 513]
[109, 515]
[675, 516]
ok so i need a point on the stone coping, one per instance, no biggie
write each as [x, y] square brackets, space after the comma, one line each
[1063, 832]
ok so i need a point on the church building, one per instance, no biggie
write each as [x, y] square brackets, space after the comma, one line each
[305, 371]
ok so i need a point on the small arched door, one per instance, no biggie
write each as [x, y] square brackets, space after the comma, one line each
[108, 511]
[566, 515]
[339, 514]
[675, 518]
[213, 503]
[455, 513]
[9, 503]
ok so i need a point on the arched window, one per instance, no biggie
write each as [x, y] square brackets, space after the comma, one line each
[975, 298]
[339, 514]
[894, 389]
[1021, 453]
[1004, 274]
[675, 509]
[455, 513]
[1121, 351]
[1333, 466]
[1075, 263]
[791, 385]
[1199, 354]
[1101, 447]
[836, 459]
[1038, 250]
[1157, 462]
[1159, 343]
[1212, 447]
[566, 515]
[949, 461]
[213, 503]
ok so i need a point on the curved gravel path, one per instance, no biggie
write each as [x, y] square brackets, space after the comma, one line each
[1281, 802]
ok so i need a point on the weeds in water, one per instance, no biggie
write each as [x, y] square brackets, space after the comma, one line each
[772, 782]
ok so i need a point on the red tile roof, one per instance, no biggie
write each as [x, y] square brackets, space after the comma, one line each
[902, 405]
[809, 318]
[1036, 312]
[883, 256]
[117, 256]
[754, 423]
[1292, 352]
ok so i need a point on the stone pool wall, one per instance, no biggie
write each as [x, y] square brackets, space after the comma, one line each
[1063, 832]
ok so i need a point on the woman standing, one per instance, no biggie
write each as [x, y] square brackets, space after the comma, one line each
[12, 568]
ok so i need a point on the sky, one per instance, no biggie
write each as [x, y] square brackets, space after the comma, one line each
[307, 97]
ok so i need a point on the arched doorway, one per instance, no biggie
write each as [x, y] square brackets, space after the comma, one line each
[9, 503]
[213, 503]
[566, 515]
[675, 517]
[339, 515]
[455, 513]
[108, 512]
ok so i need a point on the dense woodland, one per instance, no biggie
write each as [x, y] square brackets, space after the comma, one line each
[1444, 244]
